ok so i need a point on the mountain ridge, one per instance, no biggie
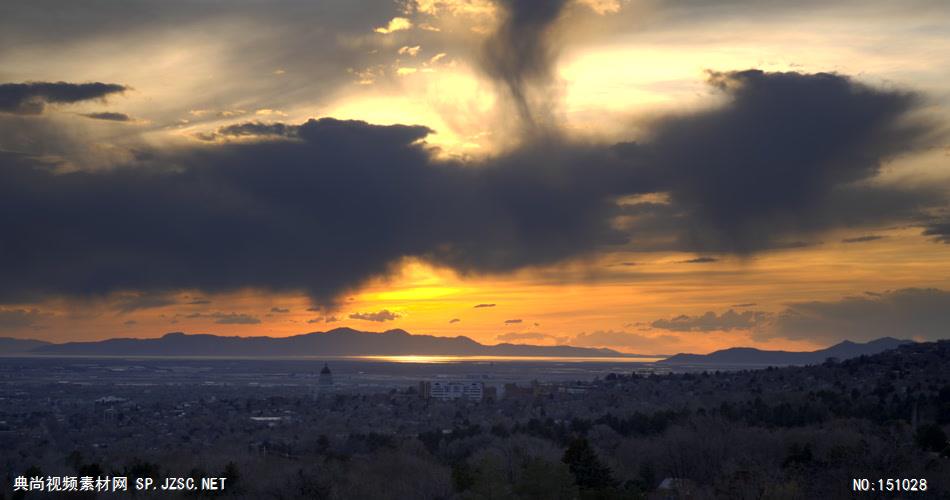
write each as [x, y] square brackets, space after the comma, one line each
[845, 349]
[9, 345]
[397, 342]
[336, 342]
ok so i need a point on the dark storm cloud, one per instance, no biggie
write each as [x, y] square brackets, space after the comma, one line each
[519, 53]
[939, 230]
[11, 319]
[790, 155]
[904, 313]
[862, 239]
[345, 201]
[31, 98]
[379, 317]
[710, 321]
[109, 116]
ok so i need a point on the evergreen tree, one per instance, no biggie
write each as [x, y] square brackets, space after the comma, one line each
[589, 472]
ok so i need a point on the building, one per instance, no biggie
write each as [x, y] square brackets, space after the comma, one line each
[326, 378]
[445, 390]
[515, 391]
[673, 488]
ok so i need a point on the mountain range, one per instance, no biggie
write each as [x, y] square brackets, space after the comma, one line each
[350, 342]
[752, 356]
[19, 346]
[337, 342]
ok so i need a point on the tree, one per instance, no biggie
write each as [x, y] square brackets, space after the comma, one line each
[589, 472]
[463, 477]
[233, 474]
[489, 479]
[931, 437]
[542, 479]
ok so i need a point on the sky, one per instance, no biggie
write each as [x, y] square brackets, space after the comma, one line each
[652, 177]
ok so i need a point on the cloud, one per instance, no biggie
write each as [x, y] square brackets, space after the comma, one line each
[862, 239]
[236, 319]
[196, 302]
[395, 24]
[520, 54]
[699, 260]
[130, 322]
[131, 302]
[31, 98]
[12, 319]
[279, 310]
[939, 230]
[512, 321]
[250, 130]
[323, 319]
[745, 304]
[108, 116]
[284, 37]
[787, 156]
[379, 316]
[454, 320]
[790, 155]
[906, 313]
[479, 306]
[536, 336]
[710, 321]
[227, 318]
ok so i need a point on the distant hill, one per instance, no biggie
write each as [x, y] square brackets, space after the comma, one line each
[18, 346]
[337, 342]
[752, 356]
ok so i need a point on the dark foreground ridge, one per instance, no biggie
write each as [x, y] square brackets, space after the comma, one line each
[337, 342]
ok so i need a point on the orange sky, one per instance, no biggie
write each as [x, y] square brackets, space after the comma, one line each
[560, 302]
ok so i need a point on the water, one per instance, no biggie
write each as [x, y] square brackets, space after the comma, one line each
[356, 373]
